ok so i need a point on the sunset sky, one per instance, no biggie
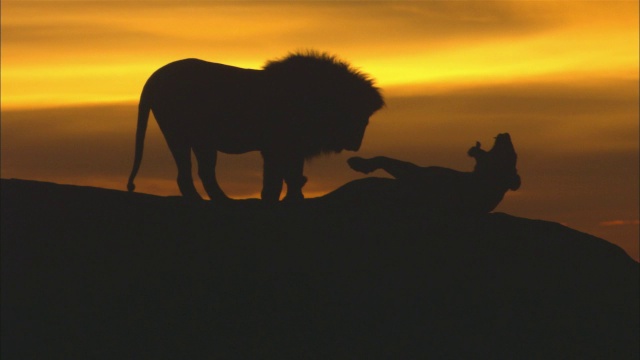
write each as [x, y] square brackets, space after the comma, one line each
[560, 76]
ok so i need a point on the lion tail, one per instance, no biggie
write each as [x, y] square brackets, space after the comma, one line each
[143, 119]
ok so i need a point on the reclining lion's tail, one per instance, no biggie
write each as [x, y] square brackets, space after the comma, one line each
[143, 120]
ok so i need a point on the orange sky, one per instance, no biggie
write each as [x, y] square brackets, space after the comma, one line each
[57, 52]
[561, 77]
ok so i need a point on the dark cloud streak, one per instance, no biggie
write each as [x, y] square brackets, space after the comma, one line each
[388, 23]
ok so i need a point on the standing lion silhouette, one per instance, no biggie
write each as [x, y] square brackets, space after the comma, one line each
[295, 108]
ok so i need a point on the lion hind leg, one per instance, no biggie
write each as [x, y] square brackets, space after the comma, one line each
[207, 159]
[182, 156]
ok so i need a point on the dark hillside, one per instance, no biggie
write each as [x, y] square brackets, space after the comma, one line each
[92, 273]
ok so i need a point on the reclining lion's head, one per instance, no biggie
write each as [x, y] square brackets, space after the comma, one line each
[327, 102]
[499, 163]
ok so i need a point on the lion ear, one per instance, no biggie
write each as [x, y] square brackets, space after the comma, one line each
[476, 150]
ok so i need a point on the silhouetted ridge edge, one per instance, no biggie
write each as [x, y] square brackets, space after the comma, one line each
[97, 273]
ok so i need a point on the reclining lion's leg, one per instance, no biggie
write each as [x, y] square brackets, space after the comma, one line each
[207, 158]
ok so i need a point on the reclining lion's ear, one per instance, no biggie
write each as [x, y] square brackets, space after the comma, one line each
[514, 182]
[476, 150]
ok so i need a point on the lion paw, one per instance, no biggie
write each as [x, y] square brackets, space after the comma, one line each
[293, 197]
[360, 164]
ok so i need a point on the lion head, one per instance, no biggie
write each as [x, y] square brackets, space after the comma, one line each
[327, 102]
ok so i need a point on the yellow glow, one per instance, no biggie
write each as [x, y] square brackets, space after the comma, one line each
[76, 52]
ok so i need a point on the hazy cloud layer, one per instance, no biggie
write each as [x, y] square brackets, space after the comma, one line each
[78, 52]
[435, 20]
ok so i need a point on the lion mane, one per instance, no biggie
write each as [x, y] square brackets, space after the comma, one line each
[294, 108]
[327, 96]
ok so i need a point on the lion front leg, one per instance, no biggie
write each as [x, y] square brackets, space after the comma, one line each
[295, 180]
[282, 168]
[271, 179]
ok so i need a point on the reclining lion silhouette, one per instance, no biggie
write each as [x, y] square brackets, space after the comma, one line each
[436, 188]
[295, 108]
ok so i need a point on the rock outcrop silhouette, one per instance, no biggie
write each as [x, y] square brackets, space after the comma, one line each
[95, 273]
